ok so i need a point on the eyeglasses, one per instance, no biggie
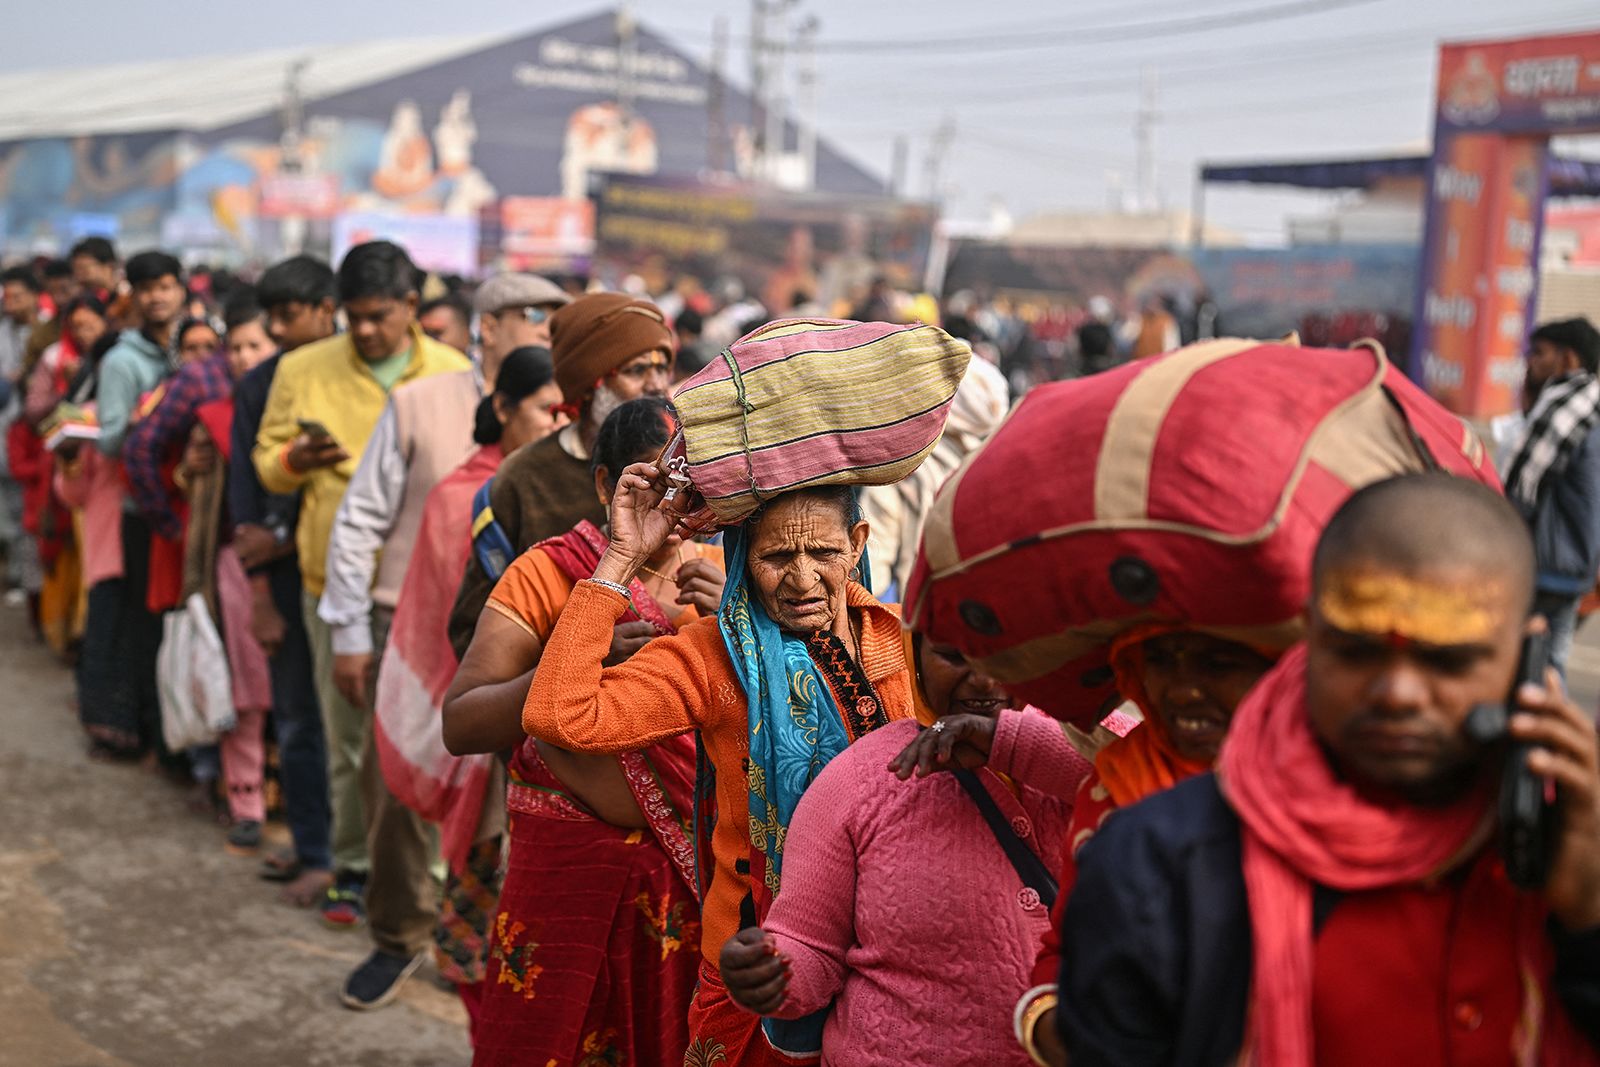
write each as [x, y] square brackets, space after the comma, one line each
[640, 369]
[535, 316]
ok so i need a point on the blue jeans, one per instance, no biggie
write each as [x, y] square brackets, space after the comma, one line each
[205, 763]
[297, 723]
[1561, 612]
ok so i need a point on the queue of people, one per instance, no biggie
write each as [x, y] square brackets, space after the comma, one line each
[651, 788]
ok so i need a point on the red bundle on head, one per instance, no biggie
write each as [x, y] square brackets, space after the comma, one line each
[1190, 488]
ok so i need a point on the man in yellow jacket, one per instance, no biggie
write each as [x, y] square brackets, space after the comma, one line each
[324, 403]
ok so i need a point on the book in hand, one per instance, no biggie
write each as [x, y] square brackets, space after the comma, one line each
[71, 431]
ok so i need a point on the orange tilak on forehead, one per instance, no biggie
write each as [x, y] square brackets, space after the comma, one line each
[1382, 603]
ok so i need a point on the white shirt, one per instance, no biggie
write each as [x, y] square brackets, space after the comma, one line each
[365, 518]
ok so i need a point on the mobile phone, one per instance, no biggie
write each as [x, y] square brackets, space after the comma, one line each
[1529, 822]
[313, 428]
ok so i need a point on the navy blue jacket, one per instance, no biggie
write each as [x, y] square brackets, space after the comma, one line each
[248, 502]
[1566, 523]
[1158, 970]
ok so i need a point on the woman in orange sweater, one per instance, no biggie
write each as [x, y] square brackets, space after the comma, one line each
[593, 947]
[800, 662]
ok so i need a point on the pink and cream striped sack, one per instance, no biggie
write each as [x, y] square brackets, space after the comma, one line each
[808, 402]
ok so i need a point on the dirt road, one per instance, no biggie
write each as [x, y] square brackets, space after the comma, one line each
[129, 938]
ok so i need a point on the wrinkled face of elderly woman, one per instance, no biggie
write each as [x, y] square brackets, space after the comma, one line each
[802, 551]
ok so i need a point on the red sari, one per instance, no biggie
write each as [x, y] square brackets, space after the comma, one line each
[595, 947]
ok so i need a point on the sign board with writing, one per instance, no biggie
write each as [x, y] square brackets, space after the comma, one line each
[307, 196]
[544, 232]
[785, 248]
[435, 242]
[1498, 102]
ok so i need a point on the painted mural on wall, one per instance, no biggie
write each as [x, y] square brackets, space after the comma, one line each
[535, 116]
[128, 181]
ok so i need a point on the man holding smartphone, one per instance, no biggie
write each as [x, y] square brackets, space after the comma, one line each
[425, 431]
[325, 400]
[1332, 893]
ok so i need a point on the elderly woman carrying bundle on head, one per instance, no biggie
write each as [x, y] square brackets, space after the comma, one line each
[800, 661]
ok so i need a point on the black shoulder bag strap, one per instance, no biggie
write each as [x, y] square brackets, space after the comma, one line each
[1429, 461]
[1030, 868]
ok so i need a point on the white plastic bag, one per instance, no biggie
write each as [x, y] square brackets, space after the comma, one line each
[192, 677]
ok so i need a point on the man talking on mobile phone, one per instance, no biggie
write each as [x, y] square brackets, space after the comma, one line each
[1332, 894]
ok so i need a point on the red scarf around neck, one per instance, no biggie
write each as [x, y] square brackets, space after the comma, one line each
[1302, 826]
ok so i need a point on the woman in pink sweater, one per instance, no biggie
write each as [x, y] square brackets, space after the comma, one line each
[899, 907]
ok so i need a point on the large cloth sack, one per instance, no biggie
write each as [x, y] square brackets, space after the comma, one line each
[192, 679]
[807, 402]
[1188, 488]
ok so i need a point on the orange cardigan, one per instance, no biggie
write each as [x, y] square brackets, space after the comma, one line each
[675, 684]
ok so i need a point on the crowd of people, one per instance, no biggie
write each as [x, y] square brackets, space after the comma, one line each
[651, 791]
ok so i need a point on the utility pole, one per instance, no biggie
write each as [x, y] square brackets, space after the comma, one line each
[758, 85]
[627, 66]
[933, 164]
[1148, 195]
[292, 229]
[293, 114]
[806, 45]
[897, 166]
[768, 42]
[716, 100]
[777, 40]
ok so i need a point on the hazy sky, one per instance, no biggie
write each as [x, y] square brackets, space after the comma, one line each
[1043, 95]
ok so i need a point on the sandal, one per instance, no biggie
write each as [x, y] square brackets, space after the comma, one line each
[309, 889]
[280, 867]
[342, 908]
[101, 751]
[244, 837]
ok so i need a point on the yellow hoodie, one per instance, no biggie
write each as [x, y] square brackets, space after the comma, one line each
[330, 383]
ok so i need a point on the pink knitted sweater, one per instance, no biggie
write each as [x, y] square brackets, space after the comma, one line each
[899, 907]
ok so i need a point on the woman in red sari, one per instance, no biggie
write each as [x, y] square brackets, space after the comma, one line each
[595, 946]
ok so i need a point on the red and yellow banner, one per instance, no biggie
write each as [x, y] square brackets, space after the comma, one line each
[1498, 102]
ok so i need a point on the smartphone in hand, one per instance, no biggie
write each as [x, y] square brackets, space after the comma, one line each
[1528, 818]
[314, 429]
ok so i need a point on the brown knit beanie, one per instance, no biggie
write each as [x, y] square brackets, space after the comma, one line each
[599, 333]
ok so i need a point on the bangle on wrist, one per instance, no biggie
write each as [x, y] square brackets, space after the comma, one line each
[616, 587]
[1034, 1005]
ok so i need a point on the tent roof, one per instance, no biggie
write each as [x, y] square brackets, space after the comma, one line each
[1568, 176]
[129, 97]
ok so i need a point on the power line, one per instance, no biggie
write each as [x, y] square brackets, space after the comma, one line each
[1103, 34]
[1277, 105]
[1233, 63]
[1027, 39]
